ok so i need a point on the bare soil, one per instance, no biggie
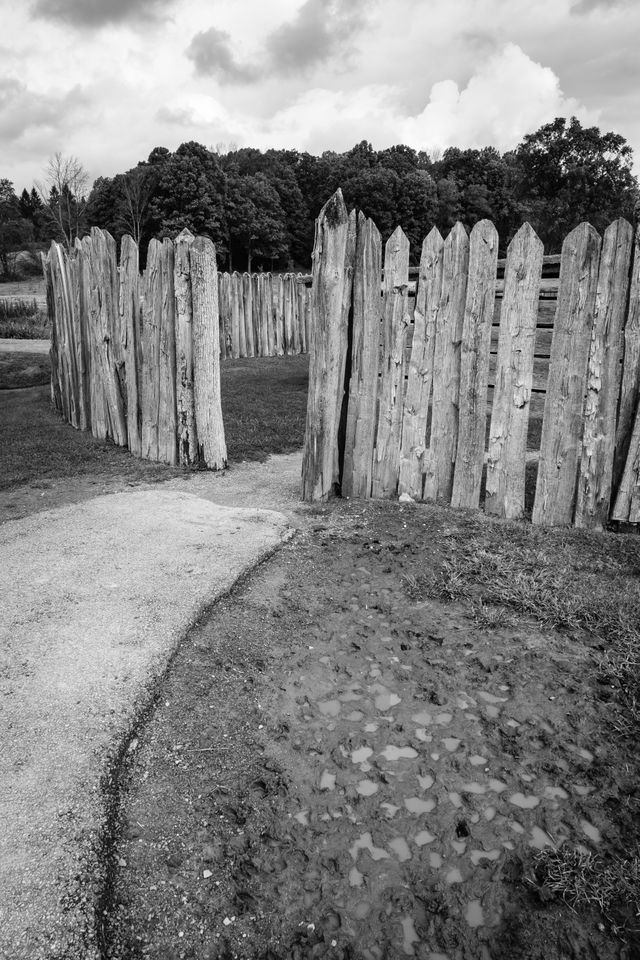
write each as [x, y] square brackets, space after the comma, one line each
[338, 766]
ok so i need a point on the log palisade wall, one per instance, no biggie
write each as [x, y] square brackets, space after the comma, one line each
[473, 344]
[136, 357]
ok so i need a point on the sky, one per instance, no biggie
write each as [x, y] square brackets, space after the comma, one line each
[106, 81]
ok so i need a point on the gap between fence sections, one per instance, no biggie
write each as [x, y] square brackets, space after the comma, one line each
[432, 364]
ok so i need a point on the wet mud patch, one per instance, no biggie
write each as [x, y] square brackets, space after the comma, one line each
[339, 768]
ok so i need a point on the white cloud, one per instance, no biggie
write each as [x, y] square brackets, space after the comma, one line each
[508, 96]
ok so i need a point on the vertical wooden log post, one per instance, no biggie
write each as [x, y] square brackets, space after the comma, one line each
[300, 314]
[104, 270]
[99, 418]
[266, 313]
[56, 390]
[75, 342]
[82, 311]
[416, 402]
[237, 314]
[167, 413]
[627, 505]
[506, 460]
[603, 378]
[365, 349]
[474, 365]
[278, 314]
[66, 349]
[562, 421]
[395, 319]
[129, 308]
[212, 449]
[439, 460]
[630, 389]
[288, 315]
[151, 327]
[185, 403]
[247, 302]
[333, 256]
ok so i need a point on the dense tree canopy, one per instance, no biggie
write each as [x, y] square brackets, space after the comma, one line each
[260, 207]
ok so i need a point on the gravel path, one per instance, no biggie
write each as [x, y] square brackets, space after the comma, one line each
[96, 598]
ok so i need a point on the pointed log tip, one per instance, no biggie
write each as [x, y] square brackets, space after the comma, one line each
[185, 236]
[583, 229]
[334, 211]
[526, 233]
[621, 224]
[484, 226]
[433, 237]
[458, 230]
[398, 238]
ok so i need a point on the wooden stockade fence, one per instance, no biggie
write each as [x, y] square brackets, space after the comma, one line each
[136, 358]
[430, 363]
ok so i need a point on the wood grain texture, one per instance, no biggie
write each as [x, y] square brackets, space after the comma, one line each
[333, 259]
[439, 459]
[630, 388]
[129, 309]
[418, 394]
[474, 365]
[562, 423]
[506, 460]
[386, 454]
[604, 374]
[212, 448]
[363, 382]
[187, 434]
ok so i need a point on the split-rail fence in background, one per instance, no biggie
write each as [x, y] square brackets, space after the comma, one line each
[136, 358]
[402, 388]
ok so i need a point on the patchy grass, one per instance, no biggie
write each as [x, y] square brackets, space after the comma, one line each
[264, 404]
[585, 880]
[23, 319]
[24, 370]
[566, 580]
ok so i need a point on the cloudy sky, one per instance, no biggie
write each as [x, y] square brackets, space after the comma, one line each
[108, 80]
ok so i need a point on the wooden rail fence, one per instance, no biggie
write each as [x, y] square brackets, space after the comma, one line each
[136, 358]
[403, 385]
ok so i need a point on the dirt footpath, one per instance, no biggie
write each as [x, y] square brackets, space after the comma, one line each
[95, 598]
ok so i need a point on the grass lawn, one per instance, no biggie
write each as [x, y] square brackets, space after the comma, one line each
[264, 405]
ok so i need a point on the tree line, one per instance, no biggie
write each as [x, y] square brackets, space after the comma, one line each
[259, 207]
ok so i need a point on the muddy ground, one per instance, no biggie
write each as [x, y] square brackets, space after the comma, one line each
[341, 764]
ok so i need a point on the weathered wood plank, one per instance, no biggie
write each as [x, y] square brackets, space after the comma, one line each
[112, 355]
[474, 365]
[386, 454]
[418, 395]
[506, 461]
[288, 308]
[224, 305]
[630, 389]
[333, 257]
[56, 395]
[237, 316]
[129, 309]
[278, 314]
[301, 302]
[99, 424]
[439, 459]
[212, 449]
[247, 303]
[562, 423]
[187, 434]
[84, 357]
[151, 326]
[167, 411]
[604, 373]
[363, 382]
[627, 504]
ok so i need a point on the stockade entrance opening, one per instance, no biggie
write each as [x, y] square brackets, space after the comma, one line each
[136, 357]
[402, 387]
